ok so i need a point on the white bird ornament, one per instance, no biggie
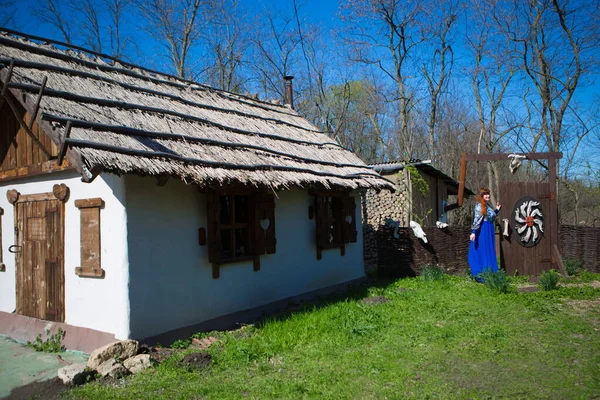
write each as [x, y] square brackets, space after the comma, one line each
[418, 231]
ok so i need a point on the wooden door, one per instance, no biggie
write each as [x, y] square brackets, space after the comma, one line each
[39, 251]
[517, 257]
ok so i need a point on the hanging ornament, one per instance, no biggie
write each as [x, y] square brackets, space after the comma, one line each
[528, 221]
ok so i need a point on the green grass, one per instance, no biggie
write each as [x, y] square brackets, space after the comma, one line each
[433, 339]
[433, 273]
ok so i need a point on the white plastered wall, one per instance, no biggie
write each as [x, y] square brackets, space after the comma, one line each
[100, 304]
[171, 284]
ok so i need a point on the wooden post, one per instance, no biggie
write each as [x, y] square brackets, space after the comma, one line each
[461, 179]
[552, 170]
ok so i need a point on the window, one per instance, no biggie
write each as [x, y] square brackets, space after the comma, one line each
[241, 227]
[335, 215]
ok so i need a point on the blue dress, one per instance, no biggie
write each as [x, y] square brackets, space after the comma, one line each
[482, 250]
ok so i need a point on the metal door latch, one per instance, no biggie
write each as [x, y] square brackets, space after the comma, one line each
[14, 246]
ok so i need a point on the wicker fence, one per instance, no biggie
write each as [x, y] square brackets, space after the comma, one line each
[405, 255]
[581, 243]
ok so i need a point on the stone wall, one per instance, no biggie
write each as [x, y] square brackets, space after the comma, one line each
[382, 209]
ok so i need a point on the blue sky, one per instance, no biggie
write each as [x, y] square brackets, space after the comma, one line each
[322, 12]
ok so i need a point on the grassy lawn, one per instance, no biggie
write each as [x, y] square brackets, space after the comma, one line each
[441, 339]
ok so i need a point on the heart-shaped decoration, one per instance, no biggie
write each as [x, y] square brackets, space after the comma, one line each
[265, 223]
[348, 219]
[61, 191]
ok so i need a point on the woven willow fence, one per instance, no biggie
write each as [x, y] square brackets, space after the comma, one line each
[581, 243]
[406, 255]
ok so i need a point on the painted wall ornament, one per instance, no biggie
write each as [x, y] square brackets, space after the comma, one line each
[528, 221]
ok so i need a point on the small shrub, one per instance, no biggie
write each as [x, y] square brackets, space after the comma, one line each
[549, 280]
[432, 273]
[495, 281]
[572, 266]
[181, 344]
[53, 343]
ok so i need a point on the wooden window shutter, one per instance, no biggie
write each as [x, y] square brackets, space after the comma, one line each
[214, 235]
[338, 204]
[321, 209]
[265, 241]
[349, 234]
[90, 237]
[2, 266]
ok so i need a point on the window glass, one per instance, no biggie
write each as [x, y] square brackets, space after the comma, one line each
[241, 209]
[225, 217]
[226, 236]
[241, 242]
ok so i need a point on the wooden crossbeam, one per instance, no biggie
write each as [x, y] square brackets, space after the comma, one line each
[5, 82]
[36, 109]
[504, 156]
[550, 156]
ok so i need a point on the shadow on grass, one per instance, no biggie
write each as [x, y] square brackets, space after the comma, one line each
[355, 291]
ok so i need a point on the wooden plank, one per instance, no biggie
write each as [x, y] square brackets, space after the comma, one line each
[54, 308]
[504, 156]
[461, 179]
[26, 198]
[46, 167]
[18, 257]
[39, 256]
[90, 237]
[89, 203]
[16, 110]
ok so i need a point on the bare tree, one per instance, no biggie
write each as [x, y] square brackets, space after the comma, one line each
[274, 52]
[491, 72]
[7, 12]
[53, 13]
[437, 68]
[556, 47]
[177, 25]
[226, 41]
[387, 34]
[117, 10]
[89, 23]
[86, 23]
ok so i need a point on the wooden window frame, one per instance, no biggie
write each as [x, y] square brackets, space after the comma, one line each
[90, 238]
[331, 211]
[261, 239]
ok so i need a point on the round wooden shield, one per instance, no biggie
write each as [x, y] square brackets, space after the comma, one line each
[527, 221]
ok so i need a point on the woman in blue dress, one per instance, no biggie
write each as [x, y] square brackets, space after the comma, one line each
[482, 251]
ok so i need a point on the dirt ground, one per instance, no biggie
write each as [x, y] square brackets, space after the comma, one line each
[45, 390]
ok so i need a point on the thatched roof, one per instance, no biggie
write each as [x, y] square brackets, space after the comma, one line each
[115, 117]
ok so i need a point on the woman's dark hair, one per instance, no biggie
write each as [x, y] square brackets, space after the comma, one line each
[479, 198]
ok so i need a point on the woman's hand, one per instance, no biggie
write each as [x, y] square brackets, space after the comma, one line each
[498, 207]
[472, 237]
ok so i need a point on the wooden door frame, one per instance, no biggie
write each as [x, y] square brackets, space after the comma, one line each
[60, 193]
